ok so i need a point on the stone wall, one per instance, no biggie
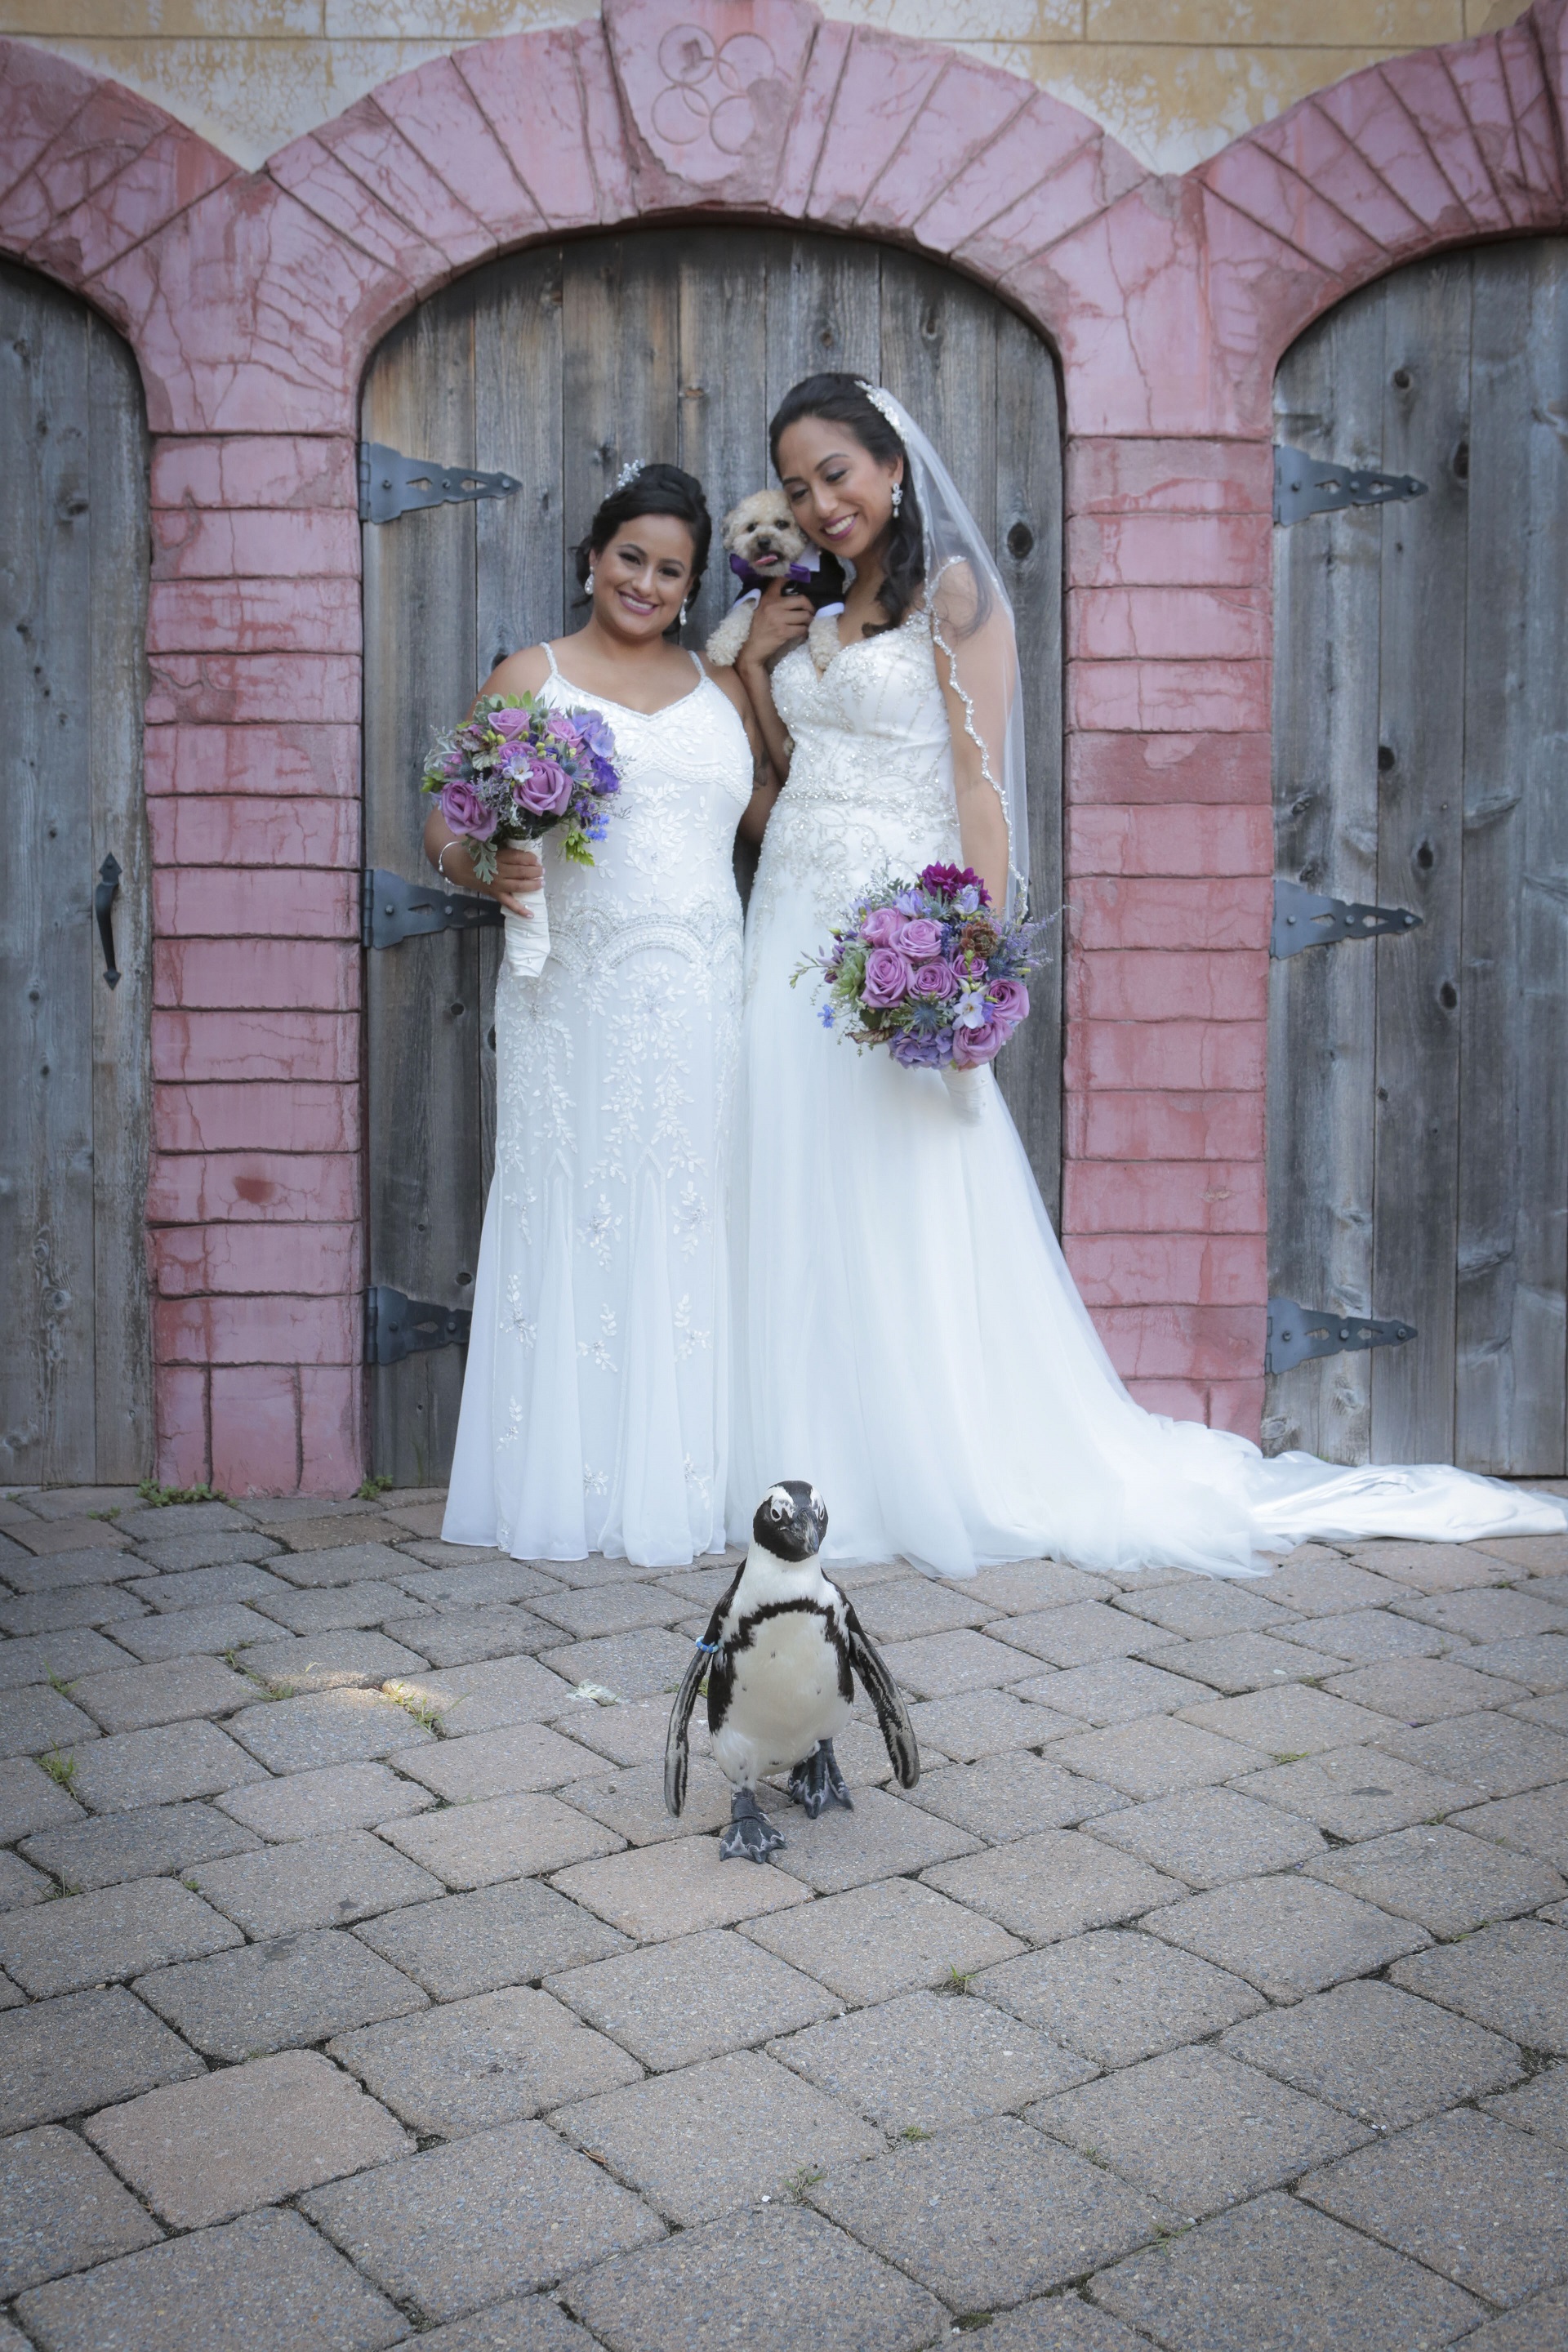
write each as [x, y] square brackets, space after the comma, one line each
[1173, 80]
[252, 301]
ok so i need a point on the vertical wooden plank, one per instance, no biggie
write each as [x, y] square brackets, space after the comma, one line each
[421, 999]
[722, 293]
[520, 539]
[1510, 1407]
[1029, 553]
[1322, 1003]
[939, 357]
[116, 681]
[621, 337]
[46, 964]
[824, 312]
[1426, 432]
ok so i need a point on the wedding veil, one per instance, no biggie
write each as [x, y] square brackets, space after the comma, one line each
[972, 628]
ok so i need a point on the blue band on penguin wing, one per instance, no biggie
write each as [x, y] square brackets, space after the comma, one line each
[711, 1649]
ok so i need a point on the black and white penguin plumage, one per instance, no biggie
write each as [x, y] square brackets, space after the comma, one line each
[781, 1654]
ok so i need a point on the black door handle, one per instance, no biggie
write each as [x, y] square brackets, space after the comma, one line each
[102, 907]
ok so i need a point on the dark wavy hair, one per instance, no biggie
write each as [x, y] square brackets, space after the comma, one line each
[655, 490]
[842, 399]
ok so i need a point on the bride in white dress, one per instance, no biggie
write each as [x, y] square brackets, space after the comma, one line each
[594, 1414]
[907, 1334]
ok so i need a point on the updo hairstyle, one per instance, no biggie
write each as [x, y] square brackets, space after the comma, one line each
[841, 400]
[652, 490]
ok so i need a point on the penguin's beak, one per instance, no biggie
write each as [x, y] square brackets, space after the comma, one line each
[810, 1522]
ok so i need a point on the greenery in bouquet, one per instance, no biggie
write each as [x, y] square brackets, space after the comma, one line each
[518, 768]
[928, 970]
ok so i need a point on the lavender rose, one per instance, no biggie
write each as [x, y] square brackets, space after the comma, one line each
[1009, 1002]
[921, 939]
[508, 724]
[545, 789]
[466, 813]
[887, 978]
[973, 1046]
[882, 927]
[937, 977]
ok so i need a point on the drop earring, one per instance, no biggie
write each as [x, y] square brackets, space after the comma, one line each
[685, 607]
[588, 583]
[897, 496]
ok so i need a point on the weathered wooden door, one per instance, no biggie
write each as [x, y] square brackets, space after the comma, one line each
[1419, 1113]
[75, 1370]
[556, 367]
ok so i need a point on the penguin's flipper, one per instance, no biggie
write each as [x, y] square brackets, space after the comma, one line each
[677, 1756]
[884, 1695]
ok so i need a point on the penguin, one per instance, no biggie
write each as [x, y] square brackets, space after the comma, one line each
[781, 1654]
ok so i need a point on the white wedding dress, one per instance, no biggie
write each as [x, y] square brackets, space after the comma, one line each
[594, 1414]
[908, 1336]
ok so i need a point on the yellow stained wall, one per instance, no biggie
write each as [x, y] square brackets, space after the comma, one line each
[1174, 79]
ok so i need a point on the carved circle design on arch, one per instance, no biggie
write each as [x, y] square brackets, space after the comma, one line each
[708, 93]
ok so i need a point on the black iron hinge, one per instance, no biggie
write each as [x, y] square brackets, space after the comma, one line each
[391, 910]
[1305, 918]
[1297, 1333]
[391, 484]
[1307, 485]
[395, 1327]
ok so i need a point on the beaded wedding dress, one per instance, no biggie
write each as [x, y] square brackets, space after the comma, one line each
[907, 1334]
[594, 1414]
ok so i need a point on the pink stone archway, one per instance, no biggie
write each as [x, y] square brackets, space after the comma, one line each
[252, 301]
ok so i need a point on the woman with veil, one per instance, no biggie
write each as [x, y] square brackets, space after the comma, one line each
[907, 1334]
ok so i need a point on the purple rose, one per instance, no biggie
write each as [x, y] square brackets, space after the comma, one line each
[887, 978]
[545, 789]
[508, 724]
[882, 927]
[915, 1052]
[1009, 1002]
[466, 813]
[973, 1046]
[937, 977]
[566, 731]
[921, 939]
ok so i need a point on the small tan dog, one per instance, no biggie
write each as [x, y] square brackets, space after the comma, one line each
[764, 542]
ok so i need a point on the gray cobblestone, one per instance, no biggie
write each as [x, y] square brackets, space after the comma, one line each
[134, 1699]
[645, 1997]
[117, 1931]
[313, 1881]
[883, 1837]
[1287, 1935]
[327, 1662]
[1010, 1796]
[929, 2059]
[513, 1934]
[466, 1637]
[29, 1799]
[983, 1722]
[278, 1996]
[885, 1938]
[37, 1718]
[1055, 1885]
[1449, 1882]
[77, 1650]
[191, 1632]
[60, 2210]
[1112, 1691]
[57, 2057]
[471, 2065]
[1118, 1996]
[1513, 1977]
[135, 1769]
[1356, 1792]
[1205, 1836]
[337, 1797]
[137, 1845]
[1377, 2053]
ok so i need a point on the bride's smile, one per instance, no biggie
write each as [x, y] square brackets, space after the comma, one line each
[840, 495]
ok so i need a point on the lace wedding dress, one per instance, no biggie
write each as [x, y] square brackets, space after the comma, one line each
[594, 1415]
[908, 1336]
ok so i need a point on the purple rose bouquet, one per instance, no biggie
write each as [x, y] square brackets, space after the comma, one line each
[928, 970]
[517, 769]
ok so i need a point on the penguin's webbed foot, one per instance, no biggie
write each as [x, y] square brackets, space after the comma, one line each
[749, 1832]
[816, 1783]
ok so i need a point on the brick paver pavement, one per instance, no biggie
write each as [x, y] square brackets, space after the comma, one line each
[1209, 1993]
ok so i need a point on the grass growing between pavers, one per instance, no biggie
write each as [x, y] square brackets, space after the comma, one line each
[1223, 1942]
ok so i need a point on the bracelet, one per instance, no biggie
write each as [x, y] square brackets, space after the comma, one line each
[440, 868]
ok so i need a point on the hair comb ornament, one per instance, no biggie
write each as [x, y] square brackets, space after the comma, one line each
[629, 473]
[883, 401]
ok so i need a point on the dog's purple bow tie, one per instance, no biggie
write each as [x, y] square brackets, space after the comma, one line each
[754, 579]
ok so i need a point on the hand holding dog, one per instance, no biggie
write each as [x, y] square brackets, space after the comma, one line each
[781, 621]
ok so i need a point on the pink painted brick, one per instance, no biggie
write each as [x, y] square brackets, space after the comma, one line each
[1122, 296]
[885, 82]
[180, 1412]
[233, 689]
[435, 109]
[1121, 476]
[1261, 292]
[248, 830]
[107, 131]
[1144, 984]
[528, 94]
[40, 96]
[1177, 1400]
[1039, 219]
[326, 187]
[802, 149]
[603, 119]
[967, 110]
[255, 1429]
[1176, 1269]
[1168, 696]
[171, 172]
[285, 543]
[192, 1187]
[1146, 769]
[1166, 1342]
[1170, 1197]
[245, 1118]
[1164, 623]
[1158, 550]
[332, 1458]
[1237, 1405]
[1038, 142]
[1165, 911]
[257, 759]
[1170, 840]
[1534, 115]
[305, 975]
[394, 170]
[298, 1048]
[1423, 85]
[685, 147]
[1151, 1123]
[1259, 184]
[315, 1260]
[253, 470]
[275, 1330]
[1310, 144]
[1365, 107]
[199, 902]
[1184, 1055]
[254, 616]
[1477, 72]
